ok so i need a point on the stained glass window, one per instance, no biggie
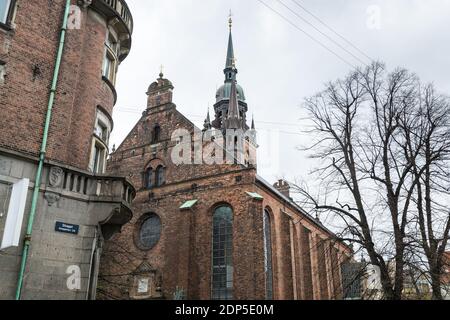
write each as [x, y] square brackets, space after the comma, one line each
[268, 255]
[222, 264]
[150, 231]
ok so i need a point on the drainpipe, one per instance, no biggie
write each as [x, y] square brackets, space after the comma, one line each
[37, 184]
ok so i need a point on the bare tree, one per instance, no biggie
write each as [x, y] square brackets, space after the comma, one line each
[430, 135]
[360, 123]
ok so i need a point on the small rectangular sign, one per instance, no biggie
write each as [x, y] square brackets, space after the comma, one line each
[66, 228]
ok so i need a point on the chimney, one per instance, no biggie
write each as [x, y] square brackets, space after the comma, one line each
[283, 187]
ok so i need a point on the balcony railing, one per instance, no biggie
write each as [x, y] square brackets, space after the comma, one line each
[102, 187]
[122, 10]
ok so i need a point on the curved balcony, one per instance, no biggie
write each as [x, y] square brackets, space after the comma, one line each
[119, 16]
[109, 198]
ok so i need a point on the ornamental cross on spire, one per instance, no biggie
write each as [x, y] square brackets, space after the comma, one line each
[230, 19]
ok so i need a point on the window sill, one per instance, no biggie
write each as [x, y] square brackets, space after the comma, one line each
[111, 86]
[6, 27]
[105, 143]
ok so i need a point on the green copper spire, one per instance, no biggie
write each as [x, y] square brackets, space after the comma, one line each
[230, 53]
[230, 64]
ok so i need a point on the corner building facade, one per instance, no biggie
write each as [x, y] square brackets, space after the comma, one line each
[211, 231]
[77, 205]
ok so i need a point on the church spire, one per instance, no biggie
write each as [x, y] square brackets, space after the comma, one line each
[230, 64]
[230, 52]
[230, 108]
[233, 118]
[207, 125]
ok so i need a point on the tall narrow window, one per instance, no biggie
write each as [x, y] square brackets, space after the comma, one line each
[148, 178]
[156, 134]
[99, 159]
[160, 179]
[222, 258]
[4, 10]
[268, 255]
[110, 58]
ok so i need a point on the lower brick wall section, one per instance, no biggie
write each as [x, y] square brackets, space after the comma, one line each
[306, 257]
[336, 274]
[322, 268]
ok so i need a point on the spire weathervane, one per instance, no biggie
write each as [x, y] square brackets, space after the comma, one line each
[230, 20]
[161, 73]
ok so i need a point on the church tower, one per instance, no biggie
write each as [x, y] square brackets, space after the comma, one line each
[230, 108]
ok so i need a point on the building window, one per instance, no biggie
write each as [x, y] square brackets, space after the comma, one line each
[222, 257]
[103, 126]
[2, 72]
[110, 59]
[150, 231]
[148, 178]
[99, 153]
[156, 134]
[5, 10]
[268, 255]
[99, 159]
[159, 179]
[109, 67]
[101, 130]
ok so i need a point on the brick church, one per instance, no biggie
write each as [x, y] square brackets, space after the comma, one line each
[211, 231]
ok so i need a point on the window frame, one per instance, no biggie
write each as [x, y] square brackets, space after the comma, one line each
[2, 72]
[268, 254]
[138, 230]
[148, 179]
[160, 178]
[9, 15]
[156, 134]
[110, 58]
[99, 158]
[218, 291]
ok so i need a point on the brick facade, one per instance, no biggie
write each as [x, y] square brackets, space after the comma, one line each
[28, 53]
[181, 261]
[69, 192]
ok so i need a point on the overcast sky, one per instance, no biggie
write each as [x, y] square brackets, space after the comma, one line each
[278, 64]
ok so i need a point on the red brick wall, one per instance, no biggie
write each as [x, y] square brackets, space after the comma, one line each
[322, 269]
[29, 52]
[183, 254]
[305, 255]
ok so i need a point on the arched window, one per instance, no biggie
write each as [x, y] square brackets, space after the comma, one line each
[222, 257]
[148, 178]
[160, 179]
[156, 134]
[268, 255]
